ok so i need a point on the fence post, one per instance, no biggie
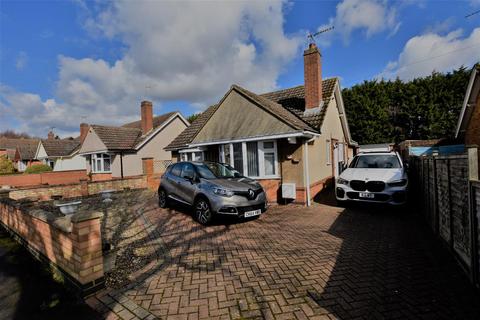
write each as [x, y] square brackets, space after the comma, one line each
[472, 162]
[450, 205]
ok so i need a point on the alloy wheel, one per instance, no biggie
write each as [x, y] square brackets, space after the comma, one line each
[203, 213]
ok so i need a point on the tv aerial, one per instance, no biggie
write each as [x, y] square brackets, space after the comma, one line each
[311, 36]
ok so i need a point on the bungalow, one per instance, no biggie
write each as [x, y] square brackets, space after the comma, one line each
[468, 126]
[293, 141]
[21, 151]
[118, 151]
[61, 154]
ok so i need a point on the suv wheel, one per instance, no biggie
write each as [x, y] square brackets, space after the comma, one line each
[162, 199]
[203, 214]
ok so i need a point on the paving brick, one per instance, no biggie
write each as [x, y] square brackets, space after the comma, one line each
[294, 262]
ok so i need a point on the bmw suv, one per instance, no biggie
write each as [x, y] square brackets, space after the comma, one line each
[374, 177]
[211, 188]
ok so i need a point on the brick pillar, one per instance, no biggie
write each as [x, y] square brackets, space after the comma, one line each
[148, 172]
[87, 251]
[84, 187]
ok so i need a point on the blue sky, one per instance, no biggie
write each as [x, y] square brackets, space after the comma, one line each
[64, 62]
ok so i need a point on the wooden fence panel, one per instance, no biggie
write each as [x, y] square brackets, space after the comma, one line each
[443, 192]
[462, 242]
[476, 218]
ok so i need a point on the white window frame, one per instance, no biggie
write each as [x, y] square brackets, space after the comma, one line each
[102, 156]
[261, 158]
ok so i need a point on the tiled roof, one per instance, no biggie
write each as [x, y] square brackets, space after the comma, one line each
[292, 100]
[157, 121]
[191, 132]
[276, 109]
[26, 147]
[118, 138]
[128, 135]
[60, 147]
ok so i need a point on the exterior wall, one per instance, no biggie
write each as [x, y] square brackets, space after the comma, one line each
[34, 179]
[237, 117]
[132, 163]
[472, 134]
[290, 157]
[76, 162]
[73, 248]
[272, 189]
[331, 130]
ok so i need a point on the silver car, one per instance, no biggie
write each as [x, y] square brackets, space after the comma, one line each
[211, 188]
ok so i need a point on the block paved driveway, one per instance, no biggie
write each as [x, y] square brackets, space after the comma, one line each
[294, 262]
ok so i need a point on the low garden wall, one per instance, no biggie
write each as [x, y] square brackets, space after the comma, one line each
[84, 188]
[50, 178]
[70, 245]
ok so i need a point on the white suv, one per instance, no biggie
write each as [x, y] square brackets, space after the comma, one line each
[374, 177]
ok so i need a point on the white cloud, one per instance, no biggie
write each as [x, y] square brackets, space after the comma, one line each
[21, 61]
[369, 16]
[430, 52]
[190, 51]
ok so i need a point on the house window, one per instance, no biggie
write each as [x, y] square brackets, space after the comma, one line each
[192, 156]
[100, 163]
[255, 159]
[328, 152]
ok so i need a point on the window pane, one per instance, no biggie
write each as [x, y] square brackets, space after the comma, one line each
[238, 157]
[269, 164]
[177, 169]
[226, 149]
[198, 156]
[106, 163]
[252, 159]
[187, 170]
[268, 145]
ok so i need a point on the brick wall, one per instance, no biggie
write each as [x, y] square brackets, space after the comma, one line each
[83, 188]
[34, 179]
[72, 248]
[472, 135]
[272, 189]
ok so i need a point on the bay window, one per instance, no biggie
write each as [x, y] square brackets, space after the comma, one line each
[100, 163]
[255, 159]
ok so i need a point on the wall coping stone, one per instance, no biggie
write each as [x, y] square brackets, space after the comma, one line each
[85, 216]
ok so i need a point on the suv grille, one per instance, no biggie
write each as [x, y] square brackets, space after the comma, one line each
[373, 186]
[247, 195]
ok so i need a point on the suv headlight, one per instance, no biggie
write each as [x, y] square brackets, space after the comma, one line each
[398, 183]
[342, 181]
[222, 192]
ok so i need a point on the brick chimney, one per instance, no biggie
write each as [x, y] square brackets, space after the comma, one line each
[147, 116]
[51, 135]
[312, 61]
[83, 131]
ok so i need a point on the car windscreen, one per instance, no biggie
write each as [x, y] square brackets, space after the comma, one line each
[376, 161]
[212, 170]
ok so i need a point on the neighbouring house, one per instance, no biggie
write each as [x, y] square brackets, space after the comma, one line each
[293, 140]
[430, 147]
[118, 151]
[468, 126]
[21, 151]
[61, 154]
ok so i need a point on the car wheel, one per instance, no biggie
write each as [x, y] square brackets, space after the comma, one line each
[162, 199]
[203, 213]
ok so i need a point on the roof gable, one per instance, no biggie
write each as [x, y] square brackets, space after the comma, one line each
[238, 117]
[469, 103]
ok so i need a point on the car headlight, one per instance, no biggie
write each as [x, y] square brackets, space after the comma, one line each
[342, 181]
[222, 192]
[398, 183]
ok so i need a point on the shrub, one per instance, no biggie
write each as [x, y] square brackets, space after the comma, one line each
[6, 166]
[38, 168]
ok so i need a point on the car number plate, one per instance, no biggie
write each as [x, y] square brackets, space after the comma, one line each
[366, 195]
[252, 213]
